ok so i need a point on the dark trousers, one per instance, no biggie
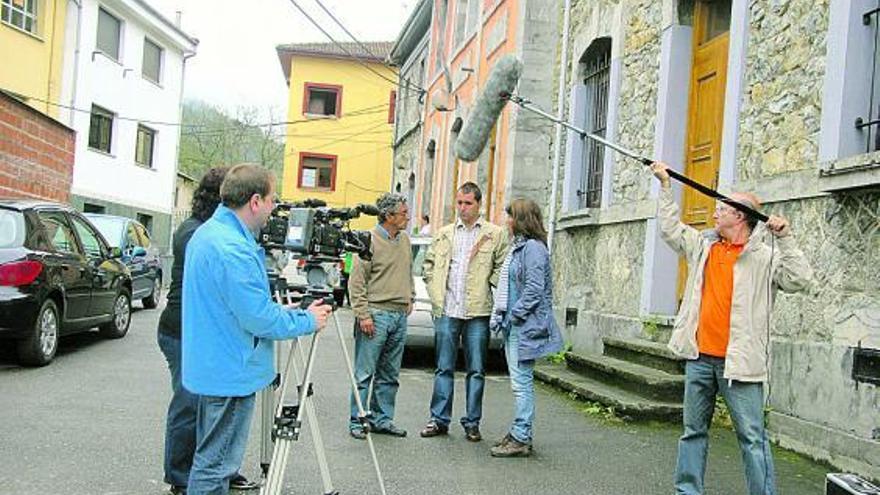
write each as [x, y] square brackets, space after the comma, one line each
[180, 423]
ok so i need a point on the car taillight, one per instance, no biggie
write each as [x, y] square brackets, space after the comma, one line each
[301, 263]
[19, 273]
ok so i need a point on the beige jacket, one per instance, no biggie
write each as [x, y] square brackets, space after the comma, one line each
[490, 248]
[753, 292]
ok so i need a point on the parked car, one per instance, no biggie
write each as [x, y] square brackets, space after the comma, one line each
[420, 323]
[138, 253]
[58, 276]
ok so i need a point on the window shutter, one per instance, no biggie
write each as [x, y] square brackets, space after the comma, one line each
[574, 151]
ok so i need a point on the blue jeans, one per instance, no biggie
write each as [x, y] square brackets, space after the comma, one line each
[222, 427]
[448, 332]
[704, 379]
[522, 383]
[378, 360]
[180, 423]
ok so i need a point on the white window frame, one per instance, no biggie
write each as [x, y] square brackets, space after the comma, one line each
[112, 116]
[161, 62]
[119, 48]
[9, 8]
[144, 130]
[579, 107]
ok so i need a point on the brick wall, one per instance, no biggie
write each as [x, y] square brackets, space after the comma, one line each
[36, 153]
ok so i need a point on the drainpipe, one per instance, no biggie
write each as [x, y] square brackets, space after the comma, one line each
[76, 49]
[186, 56]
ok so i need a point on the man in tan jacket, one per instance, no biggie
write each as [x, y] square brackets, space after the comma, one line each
[460, 267]
[722, 327]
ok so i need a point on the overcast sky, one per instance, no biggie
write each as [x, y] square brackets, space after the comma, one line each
[236, 63]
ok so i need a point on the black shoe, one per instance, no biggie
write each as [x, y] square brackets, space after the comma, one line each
[472, 433]
[391, 429]
[433, 429]
[239, 482]
[177, 490]
[358, 433]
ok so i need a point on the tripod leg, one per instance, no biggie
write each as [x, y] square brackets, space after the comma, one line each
[275, 472]
[268, 398]
[308, 401]
[357, 398]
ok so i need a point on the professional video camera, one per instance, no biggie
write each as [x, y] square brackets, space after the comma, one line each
[318, 236]
[315, 231]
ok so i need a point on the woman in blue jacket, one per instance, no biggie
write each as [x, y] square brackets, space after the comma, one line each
[523, 312]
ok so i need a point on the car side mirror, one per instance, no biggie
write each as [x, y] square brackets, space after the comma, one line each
[138, 252]
[115, 252]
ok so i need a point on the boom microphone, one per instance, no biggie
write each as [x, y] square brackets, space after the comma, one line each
[487, 108]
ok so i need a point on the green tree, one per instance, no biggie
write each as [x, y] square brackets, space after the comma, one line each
[212, 137]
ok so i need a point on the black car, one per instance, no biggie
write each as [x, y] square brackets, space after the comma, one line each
[138, 253]
[57, 276]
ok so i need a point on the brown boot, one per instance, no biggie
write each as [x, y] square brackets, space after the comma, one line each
[503, 440]
[512, 448]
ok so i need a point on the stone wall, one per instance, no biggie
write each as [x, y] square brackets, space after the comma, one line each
[531, 134]
[638, 97]
[598, 273]
[781, 104]
[817, 407]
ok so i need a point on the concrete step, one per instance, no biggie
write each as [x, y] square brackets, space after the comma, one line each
[644, 352]
[623, 402]
[642, 380]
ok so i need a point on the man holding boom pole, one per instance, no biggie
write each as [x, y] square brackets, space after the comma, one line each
[723, 327]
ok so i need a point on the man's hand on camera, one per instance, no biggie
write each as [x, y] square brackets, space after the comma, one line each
[320, 311]
[366, 325]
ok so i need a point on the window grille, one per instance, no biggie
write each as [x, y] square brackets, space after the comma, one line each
[597, 82]
[870, 125]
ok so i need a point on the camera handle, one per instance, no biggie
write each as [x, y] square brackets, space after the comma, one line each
[286, 424]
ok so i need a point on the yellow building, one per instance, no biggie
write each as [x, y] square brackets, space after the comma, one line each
[341, 116]
[31, 51]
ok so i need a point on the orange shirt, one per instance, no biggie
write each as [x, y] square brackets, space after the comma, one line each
[713, 331]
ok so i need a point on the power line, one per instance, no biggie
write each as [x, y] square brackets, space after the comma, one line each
[350, 35]
[341, 47]
[339, 23]
[343, 138]
[355, 113]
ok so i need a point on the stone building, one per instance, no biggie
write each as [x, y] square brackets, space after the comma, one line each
[410, 56]
[773, 97]
[467, 37]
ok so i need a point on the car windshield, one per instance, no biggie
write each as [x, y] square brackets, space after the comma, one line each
[11, 228]
[110, 228]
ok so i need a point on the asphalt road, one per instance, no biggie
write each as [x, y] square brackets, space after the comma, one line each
[92, 422]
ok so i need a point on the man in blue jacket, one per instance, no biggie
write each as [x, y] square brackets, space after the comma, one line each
[230, 323]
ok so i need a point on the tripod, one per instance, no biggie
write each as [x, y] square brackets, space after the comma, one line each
[281, 418]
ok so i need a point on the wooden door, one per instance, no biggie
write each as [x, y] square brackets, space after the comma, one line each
[706, 113]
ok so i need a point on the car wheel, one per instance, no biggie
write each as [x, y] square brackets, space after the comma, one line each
[117, 327]
[38, 349]
[151, 301]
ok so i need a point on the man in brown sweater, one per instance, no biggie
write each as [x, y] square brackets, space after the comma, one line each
[381, 293]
